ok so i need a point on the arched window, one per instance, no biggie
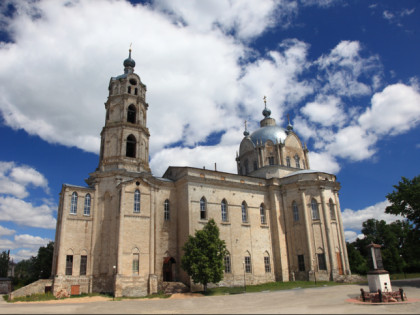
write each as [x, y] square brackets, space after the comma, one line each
[255, 165]
[295, 211]
[244, 212]
[203, 209]
[131, 114]
[288, 161]
[267, 265]
[223, 207]
[131, 146]
[262, 214]
[137, 201]
[315, 212]
[136, 263]
[226, 261]
[129, 90]
[86, 210]
[166, 210]
[332, 210]
[73, 205]
[246, 167]
[297, 161]
[271, 160]
[136, 91]
[247, 261]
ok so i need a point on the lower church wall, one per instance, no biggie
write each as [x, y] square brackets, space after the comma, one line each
[66, 283]
[131, 286]
[103, 284]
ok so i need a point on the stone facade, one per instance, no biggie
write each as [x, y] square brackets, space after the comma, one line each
[123, 233]
[5, 285]
[37, 287]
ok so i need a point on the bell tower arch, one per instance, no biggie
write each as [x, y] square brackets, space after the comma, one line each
[125, 137]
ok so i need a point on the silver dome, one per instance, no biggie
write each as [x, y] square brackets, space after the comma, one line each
[273, 133]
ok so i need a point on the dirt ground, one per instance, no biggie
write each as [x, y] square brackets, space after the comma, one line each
[89, 299]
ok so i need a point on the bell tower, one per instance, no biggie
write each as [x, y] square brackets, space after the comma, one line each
[125, 137]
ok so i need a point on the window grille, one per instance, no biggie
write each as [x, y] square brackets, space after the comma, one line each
[137, 201]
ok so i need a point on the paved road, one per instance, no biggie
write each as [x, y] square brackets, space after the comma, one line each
[323, 300]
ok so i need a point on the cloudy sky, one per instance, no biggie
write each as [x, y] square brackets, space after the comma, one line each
[347, 73]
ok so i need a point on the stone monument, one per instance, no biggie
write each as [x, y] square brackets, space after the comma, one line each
[378, 278]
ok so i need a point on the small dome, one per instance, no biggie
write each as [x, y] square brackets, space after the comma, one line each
[129, 62]
[273, 133]
[266, 112]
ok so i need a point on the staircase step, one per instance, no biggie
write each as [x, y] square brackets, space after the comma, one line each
[174, 287]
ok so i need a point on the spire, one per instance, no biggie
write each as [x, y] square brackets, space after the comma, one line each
[289, 126]
[246, 132]
[266, 112]
[129, 63]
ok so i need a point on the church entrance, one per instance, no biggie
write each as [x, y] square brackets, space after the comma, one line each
[169, 269]
[340, 265]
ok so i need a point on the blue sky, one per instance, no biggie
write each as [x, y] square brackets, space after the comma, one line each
[347, 73]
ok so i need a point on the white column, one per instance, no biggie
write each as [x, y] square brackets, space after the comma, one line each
[327, 230]
[307, 229]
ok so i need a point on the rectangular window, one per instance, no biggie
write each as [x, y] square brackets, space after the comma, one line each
[262, 215]
[69, 265]
[267, 265]
[83, 265]
[248, 268]
[224, 212]
[301, 262]
[86, 210]
[136, 264]
[166, 210]
[321, 262]
[227, 263]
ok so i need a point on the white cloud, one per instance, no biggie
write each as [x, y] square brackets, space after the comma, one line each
[6, 231]
[199, 156]
[351, 236]
[321, 3]
[15, 179]
[344, 69]
[245, 18]
[353, 219]
[28, 245]
[395, 110]
[352, 142]
[200, 78]
[24, 213]
[326, 110]
[388, 15]
[323, 161]
[23, 254]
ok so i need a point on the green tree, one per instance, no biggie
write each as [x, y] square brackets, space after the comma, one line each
[405, 200]
[42, 264]
[203, 255]
[4, 263]
[358, 263]
[35, 268]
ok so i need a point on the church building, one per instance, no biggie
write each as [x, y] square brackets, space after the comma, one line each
[123, 233]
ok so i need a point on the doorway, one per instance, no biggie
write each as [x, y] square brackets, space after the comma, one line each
[169, 269]
[339, 264]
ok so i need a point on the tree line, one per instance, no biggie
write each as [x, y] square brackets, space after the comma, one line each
[29, 270]
[399, 240]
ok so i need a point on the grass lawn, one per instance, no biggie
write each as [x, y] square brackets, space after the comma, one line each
[398, 276]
